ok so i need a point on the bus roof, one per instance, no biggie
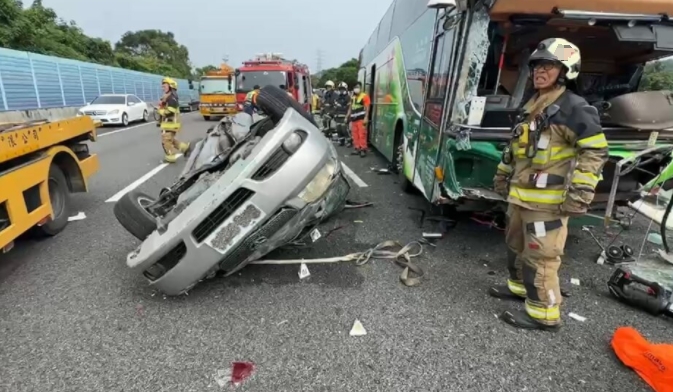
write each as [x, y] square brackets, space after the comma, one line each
[502, 9]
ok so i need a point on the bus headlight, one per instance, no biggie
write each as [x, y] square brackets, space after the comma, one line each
[320, 183]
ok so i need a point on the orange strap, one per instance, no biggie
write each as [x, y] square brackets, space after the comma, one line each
[652, 362]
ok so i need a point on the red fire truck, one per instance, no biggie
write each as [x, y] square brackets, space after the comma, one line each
[273, 69]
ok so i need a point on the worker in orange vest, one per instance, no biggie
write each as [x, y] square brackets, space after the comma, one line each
[358, 115]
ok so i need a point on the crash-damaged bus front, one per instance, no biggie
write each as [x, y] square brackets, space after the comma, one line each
[490, 80]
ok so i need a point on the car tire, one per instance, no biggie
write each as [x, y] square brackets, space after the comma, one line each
[125, 119]
[59, 195]
[274, 102]
[131, 214]
[146, 116]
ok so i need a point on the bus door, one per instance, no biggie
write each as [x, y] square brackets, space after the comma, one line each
[436, 95]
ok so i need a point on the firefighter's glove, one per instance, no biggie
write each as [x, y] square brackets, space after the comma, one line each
[501, 184]
[577, 202]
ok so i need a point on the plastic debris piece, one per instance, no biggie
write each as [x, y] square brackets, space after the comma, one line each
[577, 317]
[655, 238]
[240, 371]
[78, 217]
[303, 271]
[315, 235]
[575, 281]
[432, 235]
[222, 378]
[358, 221]
[358, 329]
[282, 322]
[140, 310]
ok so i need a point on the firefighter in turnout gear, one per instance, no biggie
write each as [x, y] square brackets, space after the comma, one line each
[358, 114]
[328, 105]
[548, 173]
[169, 110]
[341, 104]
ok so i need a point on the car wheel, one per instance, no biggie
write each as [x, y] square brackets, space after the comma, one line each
[125, 119]
[146, 116]
[132, 214]
[274, 102]
[59, 196]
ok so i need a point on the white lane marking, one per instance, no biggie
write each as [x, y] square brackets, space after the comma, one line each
[138, 182]
[353, 176]
[125, 129]
[129, 128]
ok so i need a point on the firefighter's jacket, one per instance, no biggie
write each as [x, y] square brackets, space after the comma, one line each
[561, 174]
[169, 111]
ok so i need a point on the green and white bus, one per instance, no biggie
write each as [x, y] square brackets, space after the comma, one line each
[447, 78]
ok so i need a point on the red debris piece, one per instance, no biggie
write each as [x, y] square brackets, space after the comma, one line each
[240, 371]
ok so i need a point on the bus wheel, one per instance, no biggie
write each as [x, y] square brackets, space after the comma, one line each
[59, 195]
[398, 164]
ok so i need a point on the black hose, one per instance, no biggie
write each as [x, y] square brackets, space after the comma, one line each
[662, 229]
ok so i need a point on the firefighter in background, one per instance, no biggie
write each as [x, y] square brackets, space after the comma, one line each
[342, 102]
[251, 100]
[358, 115]
[328, 105]
[169, 110]
[315, 103]
[549, 173]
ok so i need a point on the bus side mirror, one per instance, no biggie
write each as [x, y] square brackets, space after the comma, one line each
[237, 72]
[229, 79]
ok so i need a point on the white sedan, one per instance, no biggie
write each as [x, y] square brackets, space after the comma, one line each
[116, 109]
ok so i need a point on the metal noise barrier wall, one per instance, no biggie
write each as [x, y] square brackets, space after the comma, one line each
[33, 81]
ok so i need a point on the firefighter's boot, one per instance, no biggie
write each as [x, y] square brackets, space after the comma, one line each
[502, 291]
[184, 147]
[521, 319]
[172, 158]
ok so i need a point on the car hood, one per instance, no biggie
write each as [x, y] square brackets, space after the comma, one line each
[105, 108]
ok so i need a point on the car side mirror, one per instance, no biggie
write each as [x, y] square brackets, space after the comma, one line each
[131, 103]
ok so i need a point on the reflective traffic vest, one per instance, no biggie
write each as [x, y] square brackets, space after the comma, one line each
[251, 97]
[357, 108]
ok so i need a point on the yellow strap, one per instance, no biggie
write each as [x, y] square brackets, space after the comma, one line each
[504, 168]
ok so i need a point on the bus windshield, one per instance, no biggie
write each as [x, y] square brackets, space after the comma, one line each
[247, 80]
[216, 86]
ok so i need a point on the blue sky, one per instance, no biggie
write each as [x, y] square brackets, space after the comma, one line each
[211, 29]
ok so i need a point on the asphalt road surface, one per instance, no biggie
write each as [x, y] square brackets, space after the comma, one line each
[73, 317]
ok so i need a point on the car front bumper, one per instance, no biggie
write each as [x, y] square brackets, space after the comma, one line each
[240, 218]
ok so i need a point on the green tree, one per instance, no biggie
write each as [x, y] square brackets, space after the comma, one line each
[346, 72]
[38, 29]
[198, 72]
[657, 76]
[157, 47]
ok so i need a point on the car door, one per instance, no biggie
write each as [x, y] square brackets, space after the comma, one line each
[436, 96]
[142, 106]
[135, 111]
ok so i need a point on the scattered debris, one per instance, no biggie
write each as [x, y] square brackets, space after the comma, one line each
[380, 170]
[358, 221]
[140, 310]
[315, 235]
[303, 271]
[358, 329]
[281, 323]
[333, 230]
[222, 378]
[426, 242]
[577, 317]
[357, 204]
[655, 238]
[432, 235]
[575, 281]
[240, 371]
[78, 217]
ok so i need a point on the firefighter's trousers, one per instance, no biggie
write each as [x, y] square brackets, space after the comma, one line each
[536, 241]
[169, 142]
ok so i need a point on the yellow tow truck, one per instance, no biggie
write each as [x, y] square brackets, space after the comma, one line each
[217, 96]
[41, 163]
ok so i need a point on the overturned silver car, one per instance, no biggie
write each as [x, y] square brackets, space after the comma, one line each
[246, 190]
